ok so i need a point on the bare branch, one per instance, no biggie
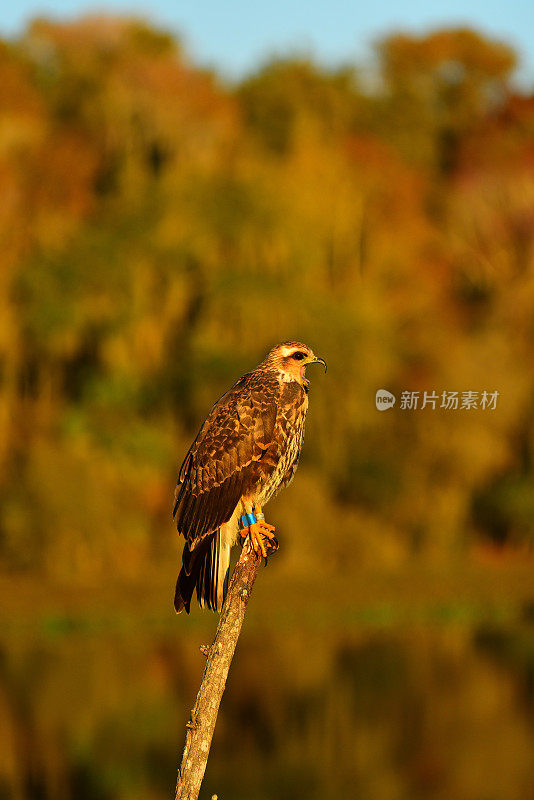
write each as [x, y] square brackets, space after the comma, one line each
[219, 657]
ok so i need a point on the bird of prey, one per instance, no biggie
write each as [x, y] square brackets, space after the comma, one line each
[246, 450]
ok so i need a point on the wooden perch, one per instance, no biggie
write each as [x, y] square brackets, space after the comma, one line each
[204, 714]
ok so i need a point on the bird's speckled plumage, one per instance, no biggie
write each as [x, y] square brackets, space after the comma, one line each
[247, 448]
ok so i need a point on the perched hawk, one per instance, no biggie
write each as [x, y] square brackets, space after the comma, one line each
[246, 450]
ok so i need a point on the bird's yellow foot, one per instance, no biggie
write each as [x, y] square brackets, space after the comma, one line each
[262, 537]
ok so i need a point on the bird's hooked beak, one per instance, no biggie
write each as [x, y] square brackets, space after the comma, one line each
[316, 360]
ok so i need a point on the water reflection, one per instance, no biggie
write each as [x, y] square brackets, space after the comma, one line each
[397, 714]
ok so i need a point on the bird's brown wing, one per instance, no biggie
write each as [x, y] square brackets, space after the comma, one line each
[222, 463]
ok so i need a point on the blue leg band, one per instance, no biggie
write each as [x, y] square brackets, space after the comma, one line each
[248, 519]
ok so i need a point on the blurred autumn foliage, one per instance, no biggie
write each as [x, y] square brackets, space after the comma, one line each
[161, 230]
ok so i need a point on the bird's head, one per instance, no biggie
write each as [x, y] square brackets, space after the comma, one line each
[291, 359]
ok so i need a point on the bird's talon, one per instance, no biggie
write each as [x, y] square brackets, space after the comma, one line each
[261, 537]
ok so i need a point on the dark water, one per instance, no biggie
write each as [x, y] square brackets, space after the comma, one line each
[401, 713]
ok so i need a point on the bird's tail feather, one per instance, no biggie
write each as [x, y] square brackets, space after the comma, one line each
[206, 569]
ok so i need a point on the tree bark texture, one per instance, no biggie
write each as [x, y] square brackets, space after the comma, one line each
[219, 657]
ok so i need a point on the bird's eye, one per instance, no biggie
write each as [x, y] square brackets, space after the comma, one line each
[299, 356]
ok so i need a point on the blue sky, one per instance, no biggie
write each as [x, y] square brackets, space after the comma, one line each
[236, 35]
